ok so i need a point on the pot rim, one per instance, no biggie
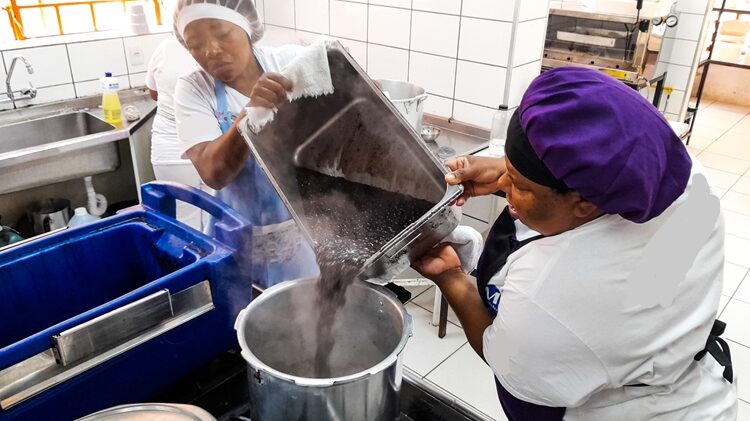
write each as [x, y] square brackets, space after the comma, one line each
[418, 98]
[260, 366]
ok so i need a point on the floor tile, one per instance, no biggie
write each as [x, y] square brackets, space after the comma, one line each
[720, 193]
[495, 417]
[470, 379]
[735, 108]
[736, 315]
[700, 142]
[732, 108]
[742, 185]
[694, 150]
[721, 179]
[723, 300]
[743, 410]
[736, 202]
[737, 250]
[743, 127]
[427, 302]
[741, 365]
[416, 290]
[743, 291]
[425, 350]
[721, 116]
[732, 143]
[723, 162]
[708, 132]
[737, 224]
[733, 276]
[705, 103]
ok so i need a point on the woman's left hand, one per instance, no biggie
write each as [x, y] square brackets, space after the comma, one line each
[438, 263]
[270, 91]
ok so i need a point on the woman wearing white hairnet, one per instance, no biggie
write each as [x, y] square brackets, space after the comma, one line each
[210, 102]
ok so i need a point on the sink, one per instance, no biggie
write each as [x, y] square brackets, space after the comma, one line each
[48, 149]
[50, 129]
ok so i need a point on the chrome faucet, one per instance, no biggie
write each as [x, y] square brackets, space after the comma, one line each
[26, 93]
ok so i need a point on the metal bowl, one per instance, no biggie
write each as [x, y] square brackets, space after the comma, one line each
[429, 133]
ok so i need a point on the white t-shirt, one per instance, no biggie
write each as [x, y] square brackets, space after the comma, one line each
[614, 303]
[196, 100]
[169, 61]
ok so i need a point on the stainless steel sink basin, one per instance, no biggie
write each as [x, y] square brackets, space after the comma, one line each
[54, 148]
[41, 131]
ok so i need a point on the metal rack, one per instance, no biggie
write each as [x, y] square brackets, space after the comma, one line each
[707, 62]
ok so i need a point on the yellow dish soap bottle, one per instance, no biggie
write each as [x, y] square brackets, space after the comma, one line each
[110, 100]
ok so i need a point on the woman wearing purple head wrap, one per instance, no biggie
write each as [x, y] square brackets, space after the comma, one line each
[600, 281]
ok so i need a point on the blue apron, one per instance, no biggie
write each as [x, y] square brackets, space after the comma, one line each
[279, 252]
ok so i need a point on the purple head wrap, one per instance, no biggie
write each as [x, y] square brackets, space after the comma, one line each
[604, 140]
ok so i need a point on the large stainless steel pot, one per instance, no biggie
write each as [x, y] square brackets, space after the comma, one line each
[277, 335]
[408, 99]
[49, 214]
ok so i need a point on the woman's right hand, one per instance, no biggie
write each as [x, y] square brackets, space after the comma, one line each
[478, 174]
[270, 91]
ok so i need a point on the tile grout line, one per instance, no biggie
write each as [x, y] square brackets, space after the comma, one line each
[411, 28]
[463, 401]
[420, 294]
[455, 70]
[404, 49]
[430, 311]
[446, 359]
[736, 343]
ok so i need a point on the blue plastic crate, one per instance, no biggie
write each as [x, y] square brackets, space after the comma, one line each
[111, 312]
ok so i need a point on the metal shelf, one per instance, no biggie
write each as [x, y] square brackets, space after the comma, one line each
[706, 63]
[738, 11]
[730, 64]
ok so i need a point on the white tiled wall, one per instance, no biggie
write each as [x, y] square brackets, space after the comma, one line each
[680, 54]
[460, 51]
[66, 71]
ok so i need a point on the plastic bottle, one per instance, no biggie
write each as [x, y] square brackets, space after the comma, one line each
[110, 100]
[81, 217]
[499, 131]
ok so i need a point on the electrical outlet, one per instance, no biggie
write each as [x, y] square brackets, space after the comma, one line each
[136, 56]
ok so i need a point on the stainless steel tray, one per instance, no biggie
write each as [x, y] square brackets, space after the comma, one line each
[357, 134]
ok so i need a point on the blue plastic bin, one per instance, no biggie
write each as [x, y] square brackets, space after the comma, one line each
[111, 312]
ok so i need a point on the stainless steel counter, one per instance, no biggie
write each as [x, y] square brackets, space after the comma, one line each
[464, 139]
[92, 104]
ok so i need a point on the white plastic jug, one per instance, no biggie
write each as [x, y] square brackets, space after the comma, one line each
[81, 217]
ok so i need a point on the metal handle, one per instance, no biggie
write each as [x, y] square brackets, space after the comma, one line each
[406, 243]
[28, 240]
[107, 330]
[229, 227]
[42, 371]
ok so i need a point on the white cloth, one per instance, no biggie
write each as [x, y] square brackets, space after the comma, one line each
[579, 317]
[169, 61]
[196, 100]
[468, 243]
[310, 77]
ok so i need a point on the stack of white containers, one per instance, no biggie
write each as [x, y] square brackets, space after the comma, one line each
[731, 41]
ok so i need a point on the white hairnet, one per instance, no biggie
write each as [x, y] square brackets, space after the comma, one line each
[239, 12]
